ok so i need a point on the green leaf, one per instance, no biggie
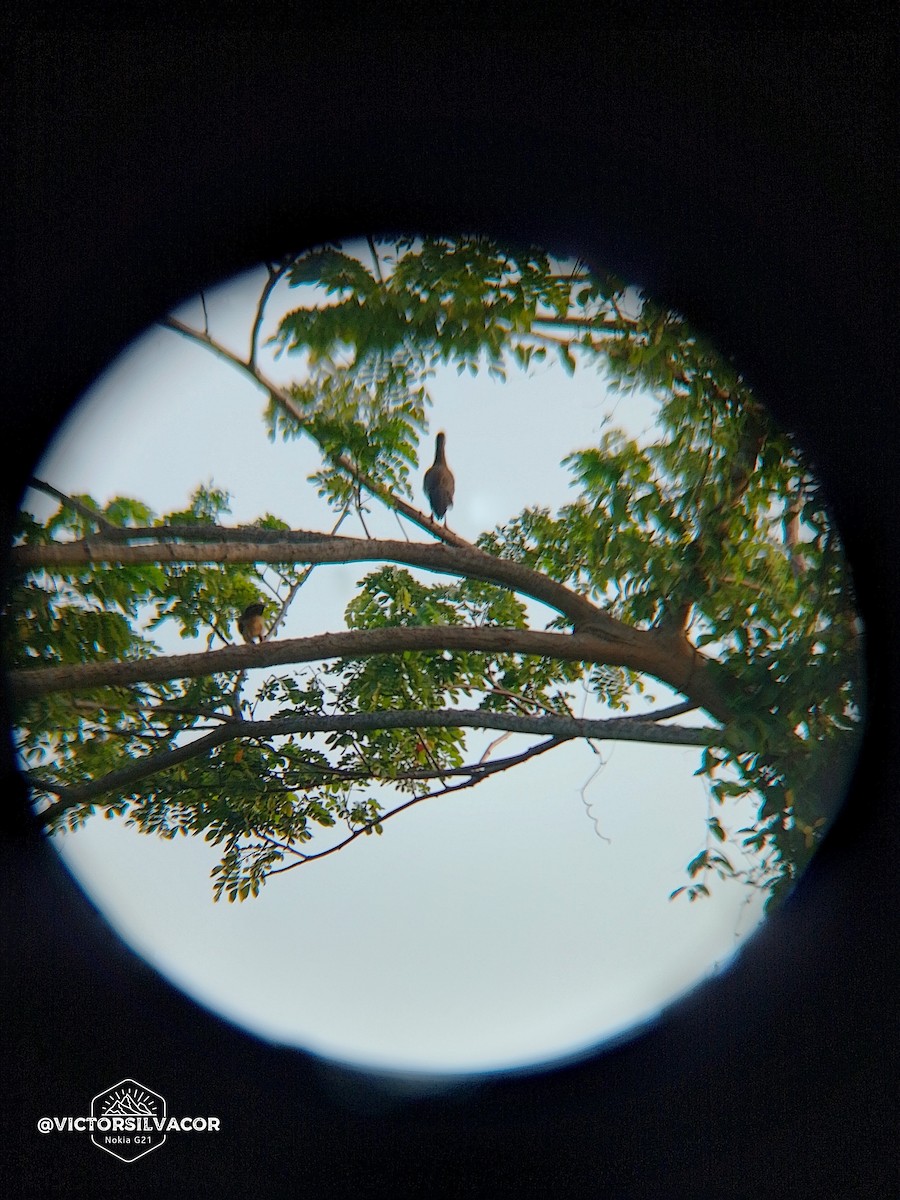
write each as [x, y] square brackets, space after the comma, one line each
[567, 359]
[716, 829]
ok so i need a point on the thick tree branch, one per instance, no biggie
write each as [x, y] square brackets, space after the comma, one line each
[299, 546]
[199, 531]
[672, 660]
[667, 659]
[301, 858]
[565, 728]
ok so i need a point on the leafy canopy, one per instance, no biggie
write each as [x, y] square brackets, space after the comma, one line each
[709, 535]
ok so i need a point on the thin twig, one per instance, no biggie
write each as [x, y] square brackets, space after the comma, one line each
[381, 819]
[359, 513]
[375, 262]
[587, 804]
[275, 275]
[401, 525]
[370, 775]
[493, 746]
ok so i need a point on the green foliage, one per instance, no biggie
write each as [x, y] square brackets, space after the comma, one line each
[372, 426]
[681, 532]
[438, 301]
[392, 597]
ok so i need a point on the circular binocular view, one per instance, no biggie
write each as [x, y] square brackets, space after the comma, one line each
[428, 653]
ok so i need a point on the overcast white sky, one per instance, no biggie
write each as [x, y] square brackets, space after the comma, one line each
[489, 930]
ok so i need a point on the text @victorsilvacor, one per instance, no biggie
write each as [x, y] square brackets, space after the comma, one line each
[137, 1124]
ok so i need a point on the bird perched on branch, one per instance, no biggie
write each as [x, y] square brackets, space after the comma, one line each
[439, 481]
[250, 622]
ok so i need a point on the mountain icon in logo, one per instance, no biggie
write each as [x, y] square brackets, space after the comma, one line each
[129, 1120]
[129, 1099]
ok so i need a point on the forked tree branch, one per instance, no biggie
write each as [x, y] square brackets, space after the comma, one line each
[640, 729]
[285, 401]
[475, 775]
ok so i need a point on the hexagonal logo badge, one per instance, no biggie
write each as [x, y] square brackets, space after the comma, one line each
[129, 1120]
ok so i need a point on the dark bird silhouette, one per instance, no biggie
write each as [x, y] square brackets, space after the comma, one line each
[439, 481]
[250, 622]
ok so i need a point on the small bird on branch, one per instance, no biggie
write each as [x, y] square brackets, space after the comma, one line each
[250, 623]
[439, 481]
